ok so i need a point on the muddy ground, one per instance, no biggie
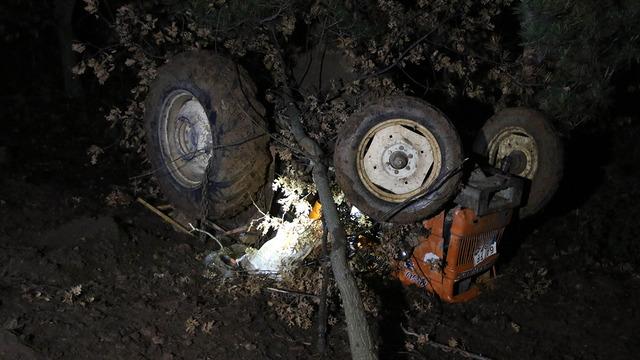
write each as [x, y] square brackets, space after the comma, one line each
[84, 279]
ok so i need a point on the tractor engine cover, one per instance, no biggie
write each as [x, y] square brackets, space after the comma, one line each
[460, 247]
[462, 242]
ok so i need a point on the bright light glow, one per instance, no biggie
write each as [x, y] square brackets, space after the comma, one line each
[292, 243]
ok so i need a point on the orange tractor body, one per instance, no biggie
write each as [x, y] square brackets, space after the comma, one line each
[461, 243]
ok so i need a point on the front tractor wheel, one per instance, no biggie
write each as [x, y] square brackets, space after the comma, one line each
[201, 109]
[398, 160]
[523, 142]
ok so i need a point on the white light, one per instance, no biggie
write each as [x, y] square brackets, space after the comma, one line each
[292, 243]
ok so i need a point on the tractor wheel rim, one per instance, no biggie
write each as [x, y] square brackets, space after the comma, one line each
[185, 138]
[397, 159]
[520, 145]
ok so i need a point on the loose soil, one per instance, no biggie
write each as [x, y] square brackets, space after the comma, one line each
[83, 280]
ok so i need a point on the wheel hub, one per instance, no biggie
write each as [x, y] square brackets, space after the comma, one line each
[515, 146]
[185, 137]
[517, 162]
[397, 159]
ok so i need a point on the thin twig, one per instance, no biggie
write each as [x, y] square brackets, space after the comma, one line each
[194, 229]
[272, 17]
[292, 292]
[217, 227]
[236, 230]
[164, 217]
[447, 348]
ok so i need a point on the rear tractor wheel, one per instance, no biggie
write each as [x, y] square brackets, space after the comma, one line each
[196, 113]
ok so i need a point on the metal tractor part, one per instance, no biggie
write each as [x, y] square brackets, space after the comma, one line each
[462, 242]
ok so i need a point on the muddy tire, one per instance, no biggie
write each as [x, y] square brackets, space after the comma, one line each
[533, 147]
[394, 151]
[196, 109]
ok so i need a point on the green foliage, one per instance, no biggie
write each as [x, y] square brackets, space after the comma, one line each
[575, 48]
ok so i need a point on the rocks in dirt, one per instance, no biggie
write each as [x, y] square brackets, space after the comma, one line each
[12, 324]
[151, 333]
[249, 346]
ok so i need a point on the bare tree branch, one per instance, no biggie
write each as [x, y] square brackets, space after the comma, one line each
[360, 337]
[361, 340]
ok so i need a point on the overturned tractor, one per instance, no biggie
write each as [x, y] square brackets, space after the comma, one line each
[398, 160]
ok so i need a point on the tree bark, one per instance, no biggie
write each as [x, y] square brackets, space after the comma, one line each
[322, 307]
[361, 339]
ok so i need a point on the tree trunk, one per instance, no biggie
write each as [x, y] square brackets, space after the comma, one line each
[361, 339]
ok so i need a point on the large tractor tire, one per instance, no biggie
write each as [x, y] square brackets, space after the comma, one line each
[398, 160]
[201, 107]
[528, 141]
